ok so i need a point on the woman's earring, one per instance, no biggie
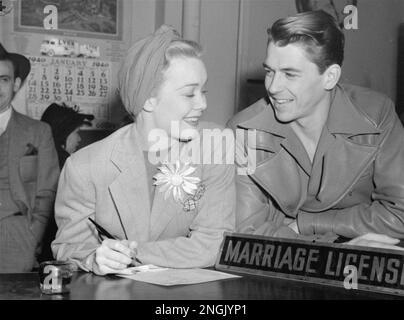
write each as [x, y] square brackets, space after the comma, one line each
[148, 106]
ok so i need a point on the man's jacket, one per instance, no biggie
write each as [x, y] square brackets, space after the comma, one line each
[354, 186]
[33, 171]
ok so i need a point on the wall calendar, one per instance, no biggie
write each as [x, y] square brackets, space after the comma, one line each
[82, 82]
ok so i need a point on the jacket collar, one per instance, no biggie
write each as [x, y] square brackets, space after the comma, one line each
[5, 118]
[19, 134]
[126, 150]
[343, 118]
[129, 190]
[265, 121]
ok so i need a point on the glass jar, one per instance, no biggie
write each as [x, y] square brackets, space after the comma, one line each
[55, 276]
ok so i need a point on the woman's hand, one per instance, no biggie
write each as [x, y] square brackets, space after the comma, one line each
[113, 255]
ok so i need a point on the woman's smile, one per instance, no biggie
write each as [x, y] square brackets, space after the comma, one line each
[192, 121]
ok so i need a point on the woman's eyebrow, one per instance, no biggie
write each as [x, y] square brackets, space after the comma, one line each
[189, 85]
[195, 84]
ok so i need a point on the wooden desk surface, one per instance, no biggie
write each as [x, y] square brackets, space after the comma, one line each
[87, 286]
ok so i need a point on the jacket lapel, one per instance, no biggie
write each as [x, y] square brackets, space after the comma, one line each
[342, 165]
[162, 213]
[296, 150]
[283, 180]
[283, 166]
[269, 129]
[129, 190]
[339, 161]
[164, 210]
[17, 146]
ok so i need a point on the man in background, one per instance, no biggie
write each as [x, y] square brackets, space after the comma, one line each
[330, 157]
[29, 172]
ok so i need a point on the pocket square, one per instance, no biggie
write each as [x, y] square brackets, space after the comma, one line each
[31, 150]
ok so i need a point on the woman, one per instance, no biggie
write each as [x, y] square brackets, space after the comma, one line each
[165, 210]
[65, 123]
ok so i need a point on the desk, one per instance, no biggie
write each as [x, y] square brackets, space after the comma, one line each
[87, 286]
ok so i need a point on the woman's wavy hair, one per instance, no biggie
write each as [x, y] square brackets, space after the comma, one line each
[178, 49]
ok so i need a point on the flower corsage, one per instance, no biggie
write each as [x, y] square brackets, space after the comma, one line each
[175, 180]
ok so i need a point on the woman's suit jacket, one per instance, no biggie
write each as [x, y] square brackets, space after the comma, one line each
[107, 181]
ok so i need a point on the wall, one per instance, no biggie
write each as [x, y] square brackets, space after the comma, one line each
[233, 34]
[218, 35]
[371, 51]
[219, 29]
[139, 19]
[256, 17]
[370, 54]
[400, 75]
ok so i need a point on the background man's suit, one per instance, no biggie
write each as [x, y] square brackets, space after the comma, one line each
[33, 170]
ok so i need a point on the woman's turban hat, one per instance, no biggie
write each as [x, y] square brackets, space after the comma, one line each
[142, 66]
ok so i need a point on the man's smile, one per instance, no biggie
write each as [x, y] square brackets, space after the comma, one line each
[279, 101]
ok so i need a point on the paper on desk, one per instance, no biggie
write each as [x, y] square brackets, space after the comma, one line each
[172, 277]
[142, 268]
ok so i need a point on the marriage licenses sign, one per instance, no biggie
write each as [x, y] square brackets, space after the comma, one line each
[82, 82]
[362, 268]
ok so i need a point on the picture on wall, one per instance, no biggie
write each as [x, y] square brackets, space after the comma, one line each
[82, 18]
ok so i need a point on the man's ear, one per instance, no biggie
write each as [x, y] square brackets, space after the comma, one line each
[332, 76]
[17, 84]
[150, 104]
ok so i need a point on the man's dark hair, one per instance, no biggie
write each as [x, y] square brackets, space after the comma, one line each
[317, 31]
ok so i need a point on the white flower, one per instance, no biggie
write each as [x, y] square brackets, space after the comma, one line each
[175, 178]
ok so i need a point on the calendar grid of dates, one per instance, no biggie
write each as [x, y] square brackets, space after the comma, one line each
[81, 82]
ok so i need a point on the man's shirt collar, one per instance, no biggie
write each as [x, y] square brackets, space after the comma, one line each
[5, 118]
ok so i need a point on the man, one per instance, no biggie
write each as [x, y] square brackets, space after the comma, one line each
[329, 157]
[29, 172]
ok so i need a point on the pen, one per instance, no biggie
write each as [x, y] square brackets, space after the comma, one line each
[102, 231]
[106, 234]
